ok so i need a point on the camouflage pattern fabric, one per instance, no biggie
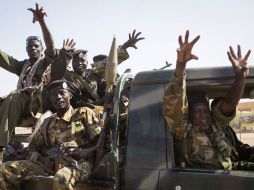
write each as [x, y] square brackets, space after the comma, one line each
[56, 131]
[241, 151]
[67, 177]
[12, 173]
[60, 130]
[197, 149]
[242, 154]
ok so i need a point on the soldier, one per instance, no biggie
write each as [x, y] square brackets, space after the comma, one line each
[51, 148]
[242, 155]
[82, 91]
[25, 101]
[96, 77]
[199, 131]
[90, 84]
[241, 151]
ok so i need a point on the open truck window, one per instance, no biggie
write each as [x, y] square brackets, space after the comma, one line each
[243, 123]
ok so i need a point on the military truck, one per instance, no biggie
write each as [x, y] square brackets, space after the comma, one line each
[148, 160]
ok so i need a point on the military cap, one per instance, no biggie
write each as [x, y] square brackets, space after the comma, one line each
[197, 98]
[99, 57]
[33, 38]
[78, 53]
[57, 84]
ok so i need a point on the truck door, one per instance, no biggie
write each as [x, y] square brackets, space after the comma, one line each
[147, 145]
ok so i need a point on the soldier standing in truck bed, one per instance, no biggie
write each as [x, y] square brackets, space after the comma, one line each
[96, 76]
[83, 92]
[90, 84]
[25, 100]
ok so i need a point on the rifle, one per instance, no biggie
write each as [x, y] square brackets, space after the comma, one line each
[59, 154]
[164, 67]
[110, 77]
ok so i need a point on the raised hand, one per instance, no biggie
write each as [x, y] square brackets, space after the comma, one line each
[133, 39]
[184, 53]
[239, 63]
[69, 45]
[38, 13]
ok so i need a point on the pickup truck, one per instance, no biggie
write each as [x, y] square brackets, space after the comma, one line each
[147, 158]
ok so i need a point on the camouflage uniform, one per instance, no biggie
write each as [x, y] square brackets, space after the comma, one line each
[87, 88]
[195, 148]
[54, 132]
[19, 104]
[242, 154]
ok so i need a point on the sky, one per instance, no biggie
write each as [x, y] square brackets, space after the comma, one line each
[93, 23]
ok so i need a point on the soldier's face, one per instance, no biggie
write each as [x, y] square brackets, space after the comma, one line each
[79, 64]
[34, 49]
[201, 116]
[100, 67]
[60, 99]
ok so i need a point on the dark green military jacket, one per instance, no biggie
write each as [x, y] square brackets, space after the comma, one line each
[31, 75]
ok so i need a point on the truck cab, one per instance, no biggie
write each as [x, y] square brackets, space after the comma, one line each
[150, 159]
[146, 161]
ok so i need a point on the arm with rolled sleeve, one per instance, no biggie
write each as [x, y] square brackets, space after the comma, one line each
[175, 99]
[176, 106]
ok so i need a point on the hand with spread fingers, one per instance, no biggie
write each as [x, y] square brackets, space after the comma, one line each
[184, 53]
[69, 45]
[239, 63]
[38, 13]
[133, 39]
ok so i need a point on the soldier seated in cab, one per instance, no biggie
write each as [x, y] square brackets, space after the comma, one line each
[199, 130]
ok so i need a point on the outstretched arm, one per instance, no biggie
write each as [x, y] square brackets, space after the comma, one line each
[59, 65]
[131, 42]
[38, 15]
[133, 39]
[175, 101]
[241, 70]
